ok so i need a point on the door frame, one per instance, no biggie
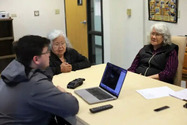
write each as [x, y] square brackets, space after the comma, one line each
[90, 33]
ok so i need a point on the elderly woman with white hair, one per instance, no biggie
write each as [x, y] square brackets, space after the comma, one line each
[63, 57]
[158, 59]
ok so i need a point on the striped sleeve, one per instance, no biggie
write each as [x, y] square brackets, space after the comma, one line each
[171, 67]
[134, 64]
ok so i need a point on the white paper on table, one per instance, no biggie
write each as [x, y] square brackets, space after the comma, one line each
[158, 92]
[182, 94]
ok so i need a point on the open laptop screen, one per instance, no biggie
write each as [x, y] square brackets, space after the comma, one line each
[113, 78]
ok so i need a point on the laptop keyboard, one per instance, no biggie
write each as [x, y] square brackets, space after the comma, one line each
[98, 93]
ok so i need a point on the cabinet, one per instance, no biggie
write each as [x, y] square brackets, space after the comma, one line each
[184, 70]
[6, 40]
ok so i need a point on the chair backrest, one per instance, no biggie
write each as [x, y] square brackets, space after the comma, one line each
[181, 42]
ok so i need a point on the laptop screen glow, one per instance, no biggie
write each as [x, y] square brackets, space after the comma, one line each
[113, 78]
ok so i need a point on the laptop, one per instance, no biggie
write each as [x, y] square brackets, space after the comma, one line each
[109, 87]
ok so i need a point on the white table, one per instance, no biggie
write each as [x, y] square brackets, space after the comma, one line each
[130, 108]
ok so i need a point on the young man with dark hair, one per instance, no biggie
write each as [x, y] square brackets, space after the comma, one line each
[27, 95]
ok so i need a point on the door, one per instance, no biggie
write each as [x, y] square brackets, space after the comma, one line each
[76, 25]
[95, 31]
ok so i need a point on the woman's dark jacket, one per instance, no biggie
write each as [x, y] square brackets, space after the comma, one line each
[77, 61]
[163, 61]
[155, 62]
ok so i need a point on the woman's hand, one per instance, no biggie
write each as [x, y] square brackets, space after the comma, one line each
[156, 76]
[66, 67]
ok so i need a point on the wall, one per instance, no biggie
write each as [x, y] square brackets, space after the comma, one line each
[126, 35]
[179, 28]
[123, 34]
[26, 23]
[106, 27]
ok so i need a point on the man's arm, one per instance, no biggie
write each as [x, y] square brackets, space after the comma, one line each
[45, 96]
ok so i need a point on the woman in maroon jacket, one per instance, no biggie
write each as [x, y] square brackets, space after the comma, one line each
[158, 59]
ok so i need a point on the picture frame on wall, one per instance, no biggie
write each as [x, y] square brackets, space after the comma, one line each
[163, 10]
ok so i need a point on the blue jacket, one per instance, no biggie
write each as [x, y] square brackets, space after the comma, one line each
[31, 99]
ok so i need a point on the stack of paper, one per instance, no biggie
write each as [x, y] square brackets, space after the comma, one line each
[153, 93]
[182, 94]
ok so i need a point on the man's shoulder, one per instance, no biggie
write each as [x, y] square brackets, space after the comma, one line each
[40, 83]
[38, 75]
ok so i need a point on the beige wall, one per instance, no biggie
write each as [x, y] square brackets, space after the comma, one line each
[126, 35]
[179, 28]
[123, 35]
[26, 23]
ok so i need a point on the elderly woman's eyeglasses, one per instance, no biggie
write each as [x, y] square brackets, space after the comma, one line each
[59, 44]
[156, 34]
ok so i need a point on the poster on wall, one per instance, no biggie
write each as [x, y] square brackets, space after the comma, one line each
[163, 10]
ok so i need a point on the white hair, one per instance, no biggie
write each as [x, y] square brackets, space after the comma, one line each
[161, 28]
[56, 33]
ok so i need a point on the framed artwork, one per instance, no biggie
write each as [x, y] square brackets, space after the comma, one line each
[163, 10]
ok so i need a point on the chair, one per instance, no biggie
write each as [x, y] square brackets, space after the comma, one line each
[181, 42]
[184, 70]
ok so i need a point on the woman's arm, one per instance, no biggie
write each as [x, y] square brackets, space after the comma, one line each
[77, 60]
[171, 67]
[134, 64]
[156, 76]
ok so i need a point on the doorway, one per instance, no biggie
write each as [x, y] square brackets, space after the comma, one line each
[95, 31]
[76, 25]
[84, 28]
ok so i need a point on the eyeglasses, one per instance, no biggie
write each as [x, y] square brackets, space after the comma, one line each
[156, 34]
[59, 44]
[48, 51]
